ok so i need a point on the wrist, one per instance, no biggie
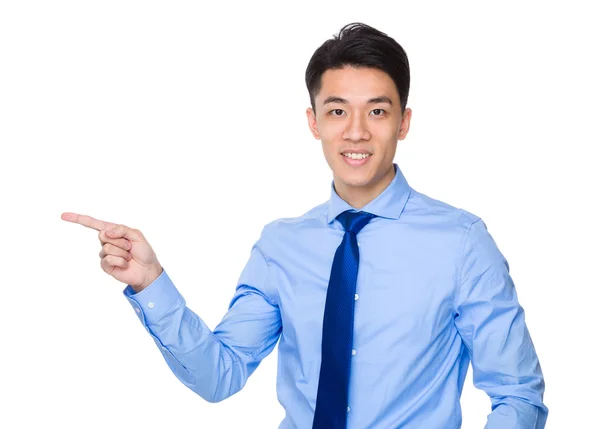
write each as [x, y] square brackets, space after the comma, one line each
[154, 272]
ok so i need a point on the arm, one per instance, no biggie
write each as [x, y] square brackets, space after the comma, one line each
[214, 364]
[492, 325]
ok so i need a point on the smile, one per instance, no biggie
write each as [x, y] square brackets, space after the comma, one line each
[356, 159]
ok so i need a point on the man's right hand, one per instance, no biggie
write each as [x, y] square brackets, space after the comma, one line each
[126, 254]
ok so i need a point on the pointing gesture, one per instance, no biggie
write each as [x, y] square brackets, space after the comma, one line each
[126, 254]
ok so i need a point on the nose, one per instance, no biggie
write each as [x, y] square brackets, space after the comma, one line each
[356, 129]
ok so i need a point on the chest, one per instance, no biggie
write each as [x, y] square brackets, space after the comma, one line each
[404, 290]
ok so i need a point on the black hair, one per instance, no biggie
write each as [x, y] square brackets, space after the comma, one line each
[359, 45]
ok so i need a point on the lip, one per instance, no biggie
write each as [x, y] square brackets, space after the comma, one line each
[356, 162]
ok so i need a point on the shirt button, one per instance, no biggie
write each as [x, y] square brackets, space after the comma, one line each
[137, 309]
[358, 243]
[355, 297]
[353, 352]
[151, 304]
[348, 410]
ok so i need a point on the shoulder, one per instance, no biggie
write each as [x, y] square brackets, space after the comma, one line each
[286, 229]
[312, 217]
[431, 210]
[456, 228]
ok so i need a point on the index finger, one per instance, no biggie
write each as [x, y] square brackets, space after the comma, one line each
[87, 221]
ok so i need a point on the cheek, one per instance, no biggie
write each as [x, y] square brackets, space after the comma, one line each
[386, 138]
[330, 139]
[385, 132]
[330, 132]
[330, 150]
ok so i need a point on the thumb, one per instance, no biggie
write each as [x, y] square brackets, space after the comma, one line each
[122, 231]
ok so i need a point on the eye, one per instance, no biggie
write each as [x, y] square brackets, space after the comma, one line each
[378, 112]
[336, 112]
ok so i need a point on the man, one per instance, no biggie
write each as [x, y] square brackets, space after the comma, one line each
[379, 297]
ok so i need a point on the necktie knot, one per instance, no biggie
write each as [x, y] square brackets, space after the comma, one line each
[354, 221]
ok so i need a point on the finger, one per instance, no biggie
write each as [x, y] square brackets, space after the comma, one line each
[123, 243]
[87, 221]
[109, 249]
[109, 262]
[124, 231]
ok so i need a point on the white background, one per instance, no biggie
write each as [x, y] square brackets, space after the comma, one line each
[187, 122]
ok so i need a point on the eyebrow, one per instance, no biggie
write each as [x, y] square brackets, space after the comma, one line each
[380, 99]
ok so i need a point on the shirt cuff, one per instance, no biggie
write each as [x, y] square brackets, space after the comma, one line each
[155, 300]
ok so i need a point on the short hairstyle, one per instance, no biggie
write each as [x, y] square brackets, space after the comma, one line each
[359, 45]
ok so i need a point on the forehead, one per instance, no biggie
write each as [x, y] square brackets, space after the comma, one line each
[356, 84]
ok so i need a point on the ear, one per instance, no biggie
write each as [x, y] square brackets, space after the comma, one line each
[312, 123]
[405, 124]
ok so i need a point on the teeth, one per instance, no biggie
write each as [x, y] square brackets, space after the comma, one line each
[356, 155]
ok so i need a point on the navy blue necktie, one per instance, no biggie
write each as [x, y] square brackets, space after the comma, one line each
[338, 327]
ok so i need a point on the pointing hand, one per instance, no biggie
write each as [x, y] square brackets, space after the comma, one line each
[126, 254]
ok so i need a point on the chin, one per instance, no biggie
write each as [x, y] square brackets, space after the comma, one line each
[356, 182]
[354, 177]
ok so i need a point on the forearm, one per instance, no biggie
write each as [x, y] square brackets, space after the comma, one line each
[517, 413]
[197, 357]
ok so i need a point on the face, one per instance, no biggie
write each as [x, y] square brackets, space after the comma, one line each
[357, 111]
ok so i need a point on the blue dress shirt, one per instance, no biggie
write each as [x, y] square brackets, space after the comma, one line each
[433, 294]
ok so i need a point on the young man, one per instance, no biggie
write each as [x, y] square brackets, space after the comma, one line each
[379, 297]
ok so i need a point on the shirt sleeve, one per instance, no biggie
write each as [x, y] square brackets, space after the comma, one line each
[214, 364]
[492, 325]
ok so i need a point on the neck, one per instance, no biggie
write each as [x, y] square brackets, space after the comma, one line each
[360, 196]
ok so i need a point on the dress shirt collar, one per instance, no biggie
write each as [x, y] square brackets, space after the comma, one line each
[388, 204]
